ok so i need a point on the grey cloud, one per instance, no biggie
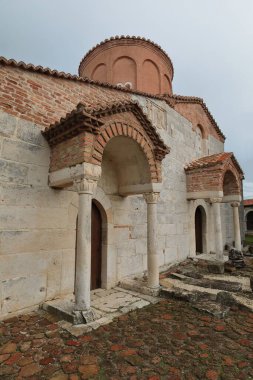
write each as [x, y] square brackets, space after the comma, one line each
[209, 42]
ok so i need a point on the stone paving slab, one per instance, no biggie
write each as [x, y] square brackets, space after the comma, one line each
[168, 340]
[106, 305]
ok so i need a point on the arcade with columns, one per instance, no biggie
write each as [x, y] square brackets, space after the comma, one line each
[78, 143]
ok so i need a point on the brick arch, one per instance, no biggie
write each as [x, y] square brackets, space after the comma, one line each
[133, 132]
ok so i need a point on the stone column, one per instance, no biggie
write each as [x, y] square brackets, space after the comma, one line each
[217, 228]
[191, 210]
[85, 189]
[153, 258]
[237, 231]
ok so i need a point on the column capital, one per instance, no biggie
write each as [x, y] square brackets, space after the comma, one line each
[84, 185]
[235, 204]
[151, 197]
[85, 177]
[216, 200]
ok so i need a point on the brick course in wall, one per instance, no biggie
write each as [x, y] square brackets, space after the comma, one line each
[44, 99]
[43, 96]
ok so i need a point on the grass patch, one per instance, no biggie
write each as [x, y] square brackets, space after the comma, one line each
[249, 239]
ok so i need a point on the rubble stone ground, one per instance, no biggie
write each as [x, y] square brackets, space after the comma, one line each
[168, 340]
[191, 280]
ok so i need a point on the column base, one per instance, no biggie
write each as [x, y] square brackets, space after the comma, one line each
[83, 317]
[153, 287]
[65, 309]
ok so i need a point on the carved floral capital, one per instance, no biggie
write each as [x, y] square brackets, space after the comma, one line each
[235, 204]
[84, 186]
[151, 197]
[216, 200]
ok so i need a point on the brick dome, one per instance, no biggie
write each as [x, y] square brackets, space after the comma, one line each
[130, 62]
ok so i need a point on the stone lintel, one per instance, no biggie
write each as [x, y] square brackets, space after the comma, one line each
[204, 194]
[232, 198]
[65, 177]
[140, 189]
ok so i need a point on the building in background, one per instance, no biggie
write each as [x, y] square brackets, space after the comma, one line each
[248, 214]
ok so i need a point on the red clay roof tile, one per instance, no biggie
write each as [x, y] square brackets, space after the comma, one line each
[248, 202]
[213, 160]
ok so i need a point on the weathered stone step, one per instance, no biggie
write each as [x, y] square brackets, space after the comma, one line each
[186, 294]
[200, 300]
[211, 307]
[209, 283]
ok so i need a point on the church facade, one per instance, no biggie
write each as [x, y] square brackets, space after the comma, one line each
[106, 175]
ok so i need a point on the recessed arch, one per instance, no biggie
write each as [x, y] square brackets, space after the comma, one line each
[167, 85]
[124, 71]
[230, 183]
[99, 73]
[150, 75]
[125, 158]
[136, 134]
[202, 131]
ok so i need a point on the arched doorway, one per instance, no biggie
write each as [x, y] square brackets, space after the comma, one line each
[96, 247]
[250, 221]
[200, 230]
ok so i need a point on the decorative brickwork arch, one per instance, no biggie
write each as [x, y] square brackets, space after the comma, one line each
[219, 173]
[84, 133]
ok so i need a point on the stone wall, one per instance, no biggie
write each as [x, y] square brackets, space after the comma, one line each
[37, 228]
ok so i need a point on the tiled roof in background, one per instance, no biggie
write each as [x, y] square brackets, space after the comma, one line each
[213, 160]
[248, 202]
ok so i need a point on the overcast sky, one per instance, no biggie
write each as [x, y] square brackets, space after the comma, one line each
[210, 43]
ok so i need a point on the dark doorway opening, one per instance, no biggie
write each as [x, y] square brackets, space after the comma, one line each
[96, 247]
[250, 221]
[199, 230]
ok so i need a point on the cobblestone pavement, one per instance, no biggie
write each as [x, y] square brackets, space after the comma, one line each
[169, 340]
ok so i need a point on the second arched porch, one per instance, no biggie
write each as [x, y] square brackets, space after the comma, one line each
[214, 180]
